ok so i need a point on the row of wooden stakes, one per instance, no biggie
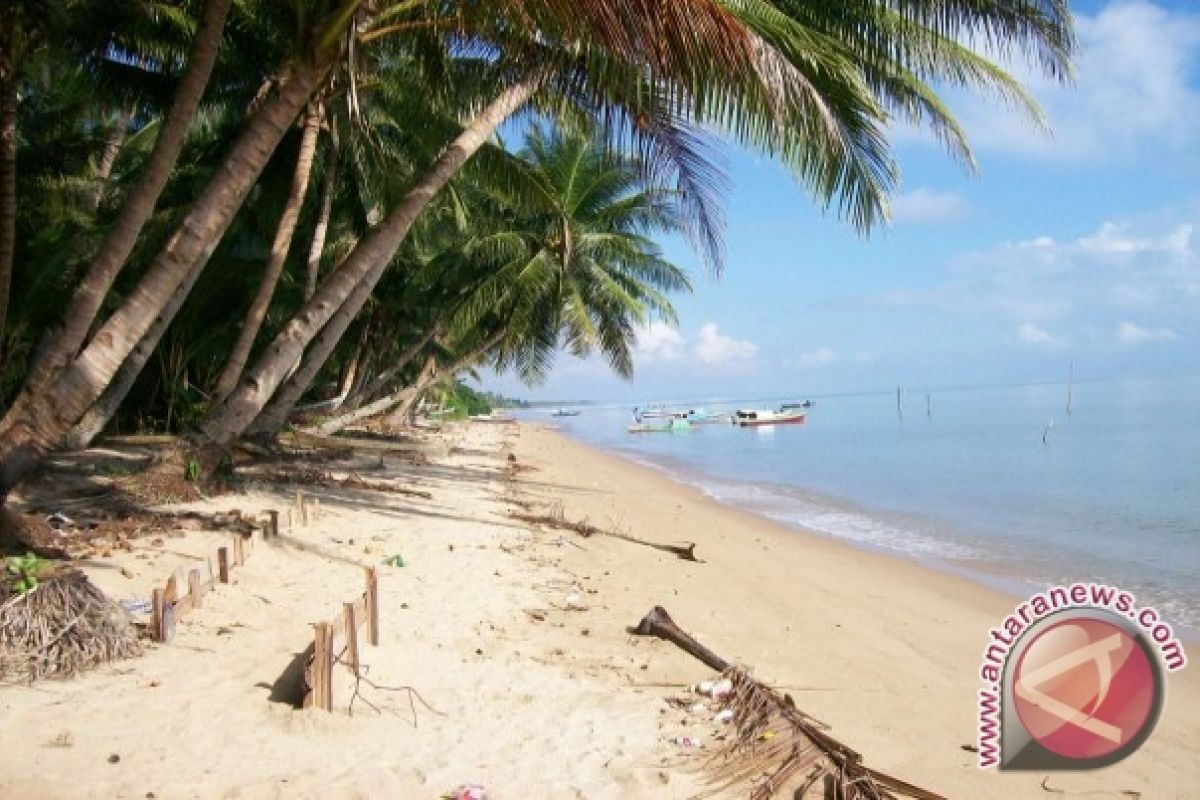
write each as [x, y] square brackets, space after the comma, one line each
[337, 641]
[168, 604]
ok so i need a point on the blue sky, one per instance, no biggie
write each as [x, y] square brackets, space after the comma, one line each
[1078, 246]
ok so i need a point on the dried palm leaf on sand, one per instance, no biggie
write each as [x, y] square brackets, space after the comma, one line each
[61, 627]
[775, 749]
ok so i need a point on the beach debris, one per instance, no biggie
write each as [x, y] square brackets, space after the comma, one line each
[467, 791]
[688, 742]
[396, 560]
[575, 603]
[137, 606]
[775, 749]
[60, 627]
[557, 520]
[59, 520]
[717, 690]
[724, 716]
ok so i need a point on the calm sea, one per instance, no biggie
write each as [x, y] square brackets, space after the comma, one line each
[965, 480]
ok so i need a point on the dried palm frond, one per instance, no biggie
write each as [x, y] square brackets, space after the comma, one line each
[777, 750]
[61, 627]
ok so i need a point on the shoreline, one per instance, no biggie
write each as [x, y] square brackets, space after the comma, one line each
[909, 637]
[986, 570]
[516, 635]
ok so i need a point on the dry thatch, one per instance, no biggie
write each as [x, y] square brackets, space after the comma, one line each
[777, 750]
[61, 627]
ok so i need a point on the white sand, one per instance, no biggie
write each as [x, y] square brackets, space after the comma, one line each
[884, 650]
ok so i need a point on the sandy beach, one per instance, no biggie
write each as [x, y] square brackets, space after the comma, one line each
[516, 637]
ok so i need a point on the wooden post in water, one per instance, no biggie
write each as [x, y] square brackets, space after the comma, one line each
[928, 408]
[1070, 387]
[899, 408]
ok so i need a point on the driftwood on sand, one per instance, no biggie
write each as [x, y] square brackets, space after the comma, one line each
[776, 750]
[62, 626]
[585, 529]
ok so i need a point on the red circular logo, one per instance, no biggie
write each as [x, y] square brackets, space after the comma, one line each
[1084, 688]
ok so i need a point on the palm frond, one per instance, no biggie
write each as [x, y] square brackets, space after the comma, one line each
[778, 751]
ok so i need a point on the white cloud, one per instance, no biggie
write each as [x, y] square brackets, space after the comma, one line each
[813, 359]
[1132, 334]
[1034, 336]
[658, 342]
[1132, 91]
[1121, 265]
[924, 205]
[712, 347]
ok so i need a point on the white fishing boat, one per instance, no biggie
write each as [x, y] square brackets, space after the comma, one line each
[750, 417]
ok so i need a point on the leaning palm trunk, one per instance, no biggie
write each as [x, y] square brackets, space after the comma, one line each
[8, 194]
[40, 426]
[407, 404]
[381, 381]
[317, 248]
[401, 397]
[383, 404]
[348, 289]
[66, 341]
[99, 415]
[274, 415]
[279, 250]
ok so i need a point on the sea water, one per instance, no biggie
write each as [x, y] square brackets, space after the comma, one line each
[1000, 482]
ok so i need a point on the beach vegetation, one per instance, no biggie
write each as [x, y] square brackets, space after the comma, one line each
[213, 214]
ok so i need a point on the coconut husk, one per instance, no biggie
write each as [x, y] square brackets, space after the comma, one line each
[61, 627]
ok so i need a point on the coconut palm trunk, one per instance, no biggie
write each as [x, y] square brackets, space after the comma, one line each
[105, 408]
[356, 278]
[278, 257]
[8, 192]
[381, 382]
[40, 426]
[320, 231]
[65, 342]
[113, 144]
[406, 398]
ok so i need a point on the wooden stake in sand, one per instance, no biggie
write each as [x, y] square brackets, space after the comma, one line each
[223, 564]
[351, 635]
[372, 595]
[273, 524]
[322, 671]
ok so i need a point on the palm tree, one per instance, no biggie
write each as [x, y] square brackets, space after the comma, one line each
[768, 77]
[136, 210]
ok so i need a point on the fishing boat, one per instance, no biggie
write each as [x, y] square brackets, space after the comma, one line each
[654, 411]
[667, 426]
[801, 404]
[749, 417]
[698, 416]
[565, 412]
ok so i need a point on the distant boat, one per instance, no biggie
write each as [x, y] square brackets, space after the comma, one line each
[698, 416]
[654, 411]
[802, 404]
[667, 426]
[564, 412]
[748, 417]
